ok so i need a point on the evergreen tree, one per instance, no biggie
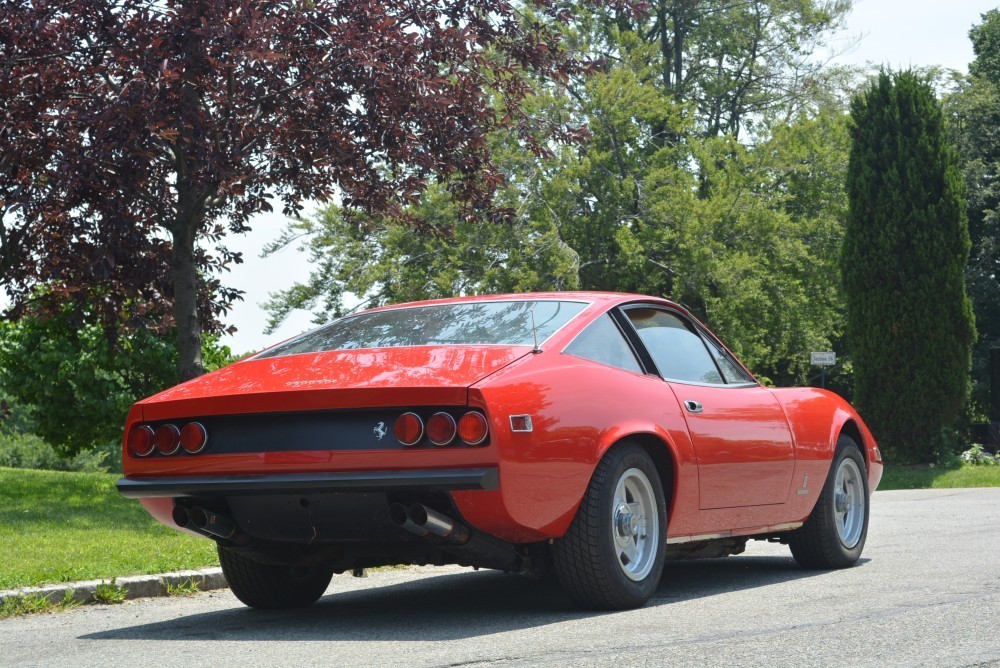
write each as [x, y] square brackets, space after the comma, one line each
[910, 324]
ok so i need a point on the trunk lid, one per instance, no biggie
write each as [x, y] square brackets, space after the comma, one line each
[340, 379]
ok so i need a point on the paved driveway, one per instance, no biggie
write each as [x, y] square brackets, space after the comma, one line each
[927, 592]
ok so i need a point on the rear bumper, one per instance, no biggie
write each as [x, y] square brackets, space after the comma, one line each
[431, 480]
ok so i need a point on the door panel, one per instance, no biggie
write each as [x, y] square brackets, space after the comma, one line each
[742, 443]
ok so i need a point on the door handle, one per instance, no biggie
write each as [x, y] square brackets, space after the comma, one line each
[693, 406]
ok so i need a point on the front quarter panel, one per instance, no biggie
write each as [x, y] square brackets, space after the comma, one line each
[817, 418]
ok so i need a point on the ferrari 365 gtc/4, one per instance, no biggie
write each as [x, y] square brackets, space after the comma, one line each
[589, 435]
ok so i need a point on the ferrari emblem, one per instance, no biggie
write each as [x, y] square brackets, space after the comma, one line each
[380, 431]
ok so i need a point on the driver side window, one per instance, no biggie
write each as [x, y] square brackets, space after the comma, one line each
[678, 352]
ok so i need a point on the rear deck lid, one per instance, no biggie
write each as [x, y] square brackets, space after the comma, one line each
[341, 379]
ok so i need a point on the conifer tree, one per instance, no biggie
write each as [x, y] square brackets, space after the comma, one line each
[910, 324]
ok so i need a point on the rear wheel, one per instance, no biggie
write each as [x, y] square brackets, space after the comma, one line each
[612, 555]
[270, 586]
[835, 532]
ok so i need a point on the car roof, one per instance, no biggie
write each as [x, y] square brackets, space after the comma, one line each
[605, 299]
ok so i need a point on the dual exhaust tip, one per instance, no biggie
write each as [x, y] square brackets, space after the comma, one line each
[472, 548]
[205, 521]
[422, 521]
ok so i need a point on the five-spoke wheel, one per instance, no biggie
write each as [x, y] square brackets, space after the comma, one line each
[635, 524]
[834, 534]
[612, 555]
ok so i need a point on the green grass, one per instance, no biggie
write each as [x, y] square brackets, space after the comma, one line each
[926, 477]
[61, 527]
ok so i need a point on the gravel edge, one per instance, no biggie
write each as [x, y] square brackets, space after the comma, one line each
[136, 586]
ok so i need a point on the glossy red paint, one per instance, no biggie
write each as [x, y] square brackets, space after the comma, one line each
[423, 375]
[740, 434]
[752, 462]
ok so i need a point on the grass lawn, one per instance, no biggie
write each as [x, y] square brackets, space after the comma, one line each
[926, 477]
[61, 527]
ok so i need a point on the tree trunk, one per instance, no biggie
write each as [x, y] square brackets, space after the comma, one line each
[185, 278]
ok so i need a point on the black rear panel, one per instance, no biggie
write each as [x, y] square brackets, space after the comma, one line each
[315, 430]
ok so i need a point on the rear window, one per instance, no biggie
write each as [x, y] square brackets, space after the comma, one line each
[506, 323]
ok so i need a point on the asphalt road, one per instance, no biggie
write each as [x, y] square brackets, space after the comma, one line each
[926, 592]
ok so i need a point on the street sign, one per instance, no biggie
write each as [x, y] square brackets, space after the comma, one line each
[823, 359]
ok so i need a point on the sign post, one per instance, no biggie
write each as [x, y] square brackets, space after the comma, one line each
[824, 360]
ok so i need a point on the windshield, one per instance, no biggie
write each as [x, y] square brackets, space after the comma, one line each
[505, 323]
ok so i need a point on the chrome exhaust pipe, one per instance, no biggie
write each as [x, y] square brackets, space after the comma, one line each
[207, 523]
[438, 524]
[213, 523]
[473, 548]
[400, 516]
[181, 517]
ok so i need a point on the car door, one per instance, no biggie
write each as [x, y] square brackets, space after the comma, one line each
[741, 438]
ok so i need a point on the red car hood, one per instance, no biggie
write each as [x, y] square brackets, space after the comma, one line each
[419, 376]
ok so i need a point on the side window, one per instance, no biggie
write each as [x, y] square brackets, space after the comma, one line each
[602, 342]
[679, 353]
[731, 370]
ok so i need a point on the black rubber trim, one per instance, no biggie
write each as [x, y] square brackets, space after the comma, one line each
[435, 480]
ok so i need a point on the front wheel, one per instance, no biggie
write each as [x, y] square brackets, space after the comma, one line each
[271, 586]
[612, 555]
[835, 532]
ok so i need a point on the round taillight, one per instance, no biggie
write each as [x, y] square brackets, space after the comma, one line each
[441, 429]
[409, 429]
[167, 439]
[140, 441]
[472, 428]
[194, 437]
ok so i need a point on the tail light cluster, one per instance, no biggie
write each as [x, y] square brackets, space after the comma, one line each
[167, 439]
[442, 429]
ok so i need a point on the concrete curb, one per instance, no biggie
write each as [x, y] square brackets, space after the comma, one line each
[136, 586]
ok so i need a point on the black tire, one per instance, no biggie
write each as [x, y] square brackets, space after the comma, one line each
[589, 561]
[269, 586]
[820, 542]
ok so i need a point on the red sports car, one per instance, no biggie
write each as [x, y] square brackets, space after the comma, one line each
[592, 435]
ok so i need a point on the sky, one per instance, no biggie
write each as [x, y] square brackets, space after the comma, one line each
[894, 33]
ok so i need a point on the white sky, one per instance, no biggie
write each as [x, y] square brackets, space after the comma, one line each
[895, 33]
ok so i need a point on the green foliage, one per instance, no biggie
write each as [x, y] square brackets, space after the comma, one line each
[931, 476]
[973, 112]
[64, 527]
[749, 241]
[383, 260]
[978, 456]
[910, 324]
[77, 384]
[185, 588]
[986, 45]
[110, 592]
[28, 451]
[34, 604]
[731, 66]
[746, 236]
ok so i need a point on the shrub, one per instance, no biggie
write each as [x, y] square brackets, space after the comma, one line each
[28, 451]
[977, 456]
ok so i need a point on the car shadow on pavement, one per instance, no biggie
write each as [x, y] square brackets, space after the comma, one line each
[452, 606]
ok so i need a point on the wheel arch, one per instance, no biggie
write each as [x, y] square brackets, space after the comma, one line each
[664, 459]
[850, 428]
